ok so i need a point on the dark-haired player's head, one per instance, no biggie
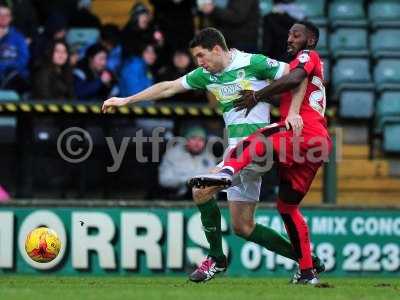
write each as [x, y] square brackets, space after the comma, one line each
[209, 48]
[302, 35]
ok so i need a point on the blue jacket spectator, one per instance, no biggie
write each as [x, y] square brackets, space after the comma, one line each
[114, 59]
[135, 74]
[135, 77]
[92, 81]
[14, 53]
[110, 39]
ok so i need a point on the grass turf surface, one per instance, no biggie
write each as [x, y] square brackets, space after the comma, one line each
[131, 287]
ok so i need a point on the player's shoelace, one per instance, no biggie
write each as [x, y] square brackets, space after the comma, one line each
[207, 266]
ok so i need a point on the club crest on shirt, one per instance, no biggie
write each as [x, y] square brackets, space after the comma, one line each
[303, 58]
[240, 74]
[272, 62]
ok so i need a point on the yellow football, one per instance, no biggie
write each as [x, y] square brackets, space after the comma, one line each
[42, 244]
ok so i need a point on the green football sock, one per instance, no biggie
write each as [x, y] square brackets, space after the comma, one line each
[272, 240]
[211, 220]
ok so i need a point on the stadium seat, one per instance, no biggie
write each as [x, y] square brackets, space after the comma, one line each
[387, 74]
[327, 69]
[81, 38]
[391, 137]
[356, 104]
[387, 109]
[351, 74]
[322, 46]
[384, 14]
[265, 7]
[8, 95]
[8, 124]
[345, 42]
[384, 44]
[347, 14]
[314, 11]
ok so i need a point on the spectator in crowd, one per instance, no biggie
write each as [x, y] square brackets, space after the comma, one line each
[239, 22]
[14, 54]
[53, 76]
[136, 74]
[140, 30]
[110, 39]
[183, 160]
[175, 19]
[92, 81]
[55, 29]
[276, 25]
[83, 17]
[180, 65]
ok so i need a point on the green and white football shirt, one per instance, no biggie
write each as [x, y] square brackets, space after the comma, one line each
[245, 72]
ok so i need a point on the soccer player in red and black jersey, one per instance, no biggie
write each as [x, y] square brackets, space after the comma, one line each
[300, 142]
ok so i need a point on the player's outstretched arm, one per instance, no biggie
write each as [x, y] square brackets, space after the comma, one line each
[293, 119]
[157, 91]
[286, 83]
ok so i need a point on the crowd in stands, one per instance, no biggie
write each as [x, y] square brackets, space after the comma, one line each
[61, 51]
[39, 60]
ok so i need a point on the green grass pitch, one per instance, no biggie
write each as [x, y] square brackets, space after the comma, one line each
[132, 287]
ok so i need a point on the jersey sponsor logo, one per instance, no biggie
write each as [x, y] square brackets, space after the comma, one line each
[272, 63]
[303, 58]
[230, 89]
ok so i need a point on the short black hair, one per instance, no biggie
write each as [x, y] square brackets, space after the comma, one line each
[208, 38]
[310, 26]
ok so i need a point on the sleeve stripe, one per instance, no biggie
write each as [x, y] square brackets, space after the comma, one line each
[280, 71]
[185, 83]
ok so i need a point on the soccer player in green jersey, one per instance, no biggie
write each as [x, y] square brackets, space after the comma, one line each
[225, 72]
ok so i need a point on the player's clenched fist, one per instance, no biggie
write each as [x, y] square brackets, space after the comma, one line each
[114, 101]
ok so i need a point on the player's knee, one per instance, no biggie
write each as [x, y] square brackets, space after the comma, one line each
[201, 195]
[243, 229]
[197, 195]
